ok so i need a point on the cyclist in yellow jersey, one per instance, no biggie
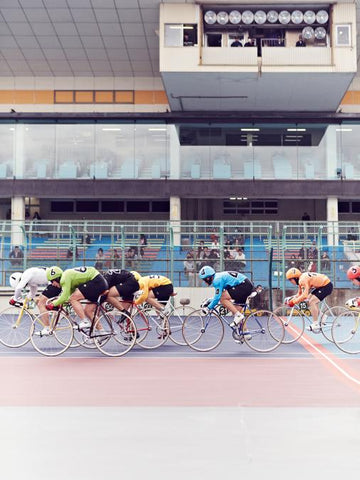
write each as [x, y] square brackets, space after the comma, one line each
[155, 289]
[312, 287]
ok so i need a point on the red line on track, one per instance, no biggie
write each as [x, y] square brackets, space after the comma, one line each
[256, 382]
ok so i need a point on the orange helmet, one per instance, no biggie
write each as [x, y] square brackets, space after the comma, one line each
[353, 272]
[293, 273]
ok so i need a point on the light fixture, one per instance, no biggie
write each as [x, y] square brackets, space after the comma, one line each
[284, 17]
[110, 129]
[247, 17]
[308, 33]
[296, 129]
[320, 33]
[210, 17]
[222, 18]
[297, 17]
[322, 16]
[250, 129]
[309, 17]
[260, 17]
[234, 17]
[272, 16]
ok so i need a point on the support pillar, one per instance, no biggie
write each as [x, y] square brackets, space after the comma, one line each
[17, 221]
[332, 219]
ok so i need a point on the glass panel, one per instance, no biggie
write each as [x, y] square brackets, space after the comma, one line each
[75, 150]
[7, 136]
[173, 35]
[39, 148]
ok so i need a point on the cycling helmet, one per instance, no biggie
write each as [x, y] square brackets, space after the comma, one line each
[293, 273]
[136, 275]
[15, 279]
[207, 274]
[353, 273]
[53, 273]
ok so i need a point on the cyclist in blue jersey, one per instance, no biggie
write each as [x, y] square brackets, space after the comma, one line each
[229, 287]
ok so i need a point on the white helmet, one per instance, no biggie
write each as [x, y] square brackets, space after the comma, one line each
[15, 279]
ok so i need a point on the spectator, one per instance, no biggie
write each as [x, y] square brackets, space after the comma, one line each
[313, 251]
[293, 262]
[300, 42]
[115, 258]
[99, 260]
[200, 250]
[258, 302]
[189, 269]
[130, 257]
[305, 217]
[187, 42]
[250, 43]
[214, 257]
[325, 262]
[240, 258]
[214, 236]
[36, 217]
[215, 245]
[69, 253]
[16, 256]
[142, 243]
[236, 42]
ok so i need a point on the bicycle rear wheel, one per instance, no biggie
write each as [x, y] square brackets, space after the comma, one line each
[203, 332]
[294, 323]
[59, 338]
[327, 318]
[152, 329]
[266, 331]
[122, 334]
[176, 320]
[15, 325]
[346, 331]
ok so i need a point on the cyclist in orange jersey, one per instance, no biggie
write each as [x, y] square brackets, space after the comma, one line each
[312, 287]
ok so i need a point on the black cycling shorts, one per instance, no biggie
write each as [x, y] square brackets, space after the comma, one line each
[51, 291]
[240, 292]
[164, 292]
[94, 288]
[127, 289]
[323, 292]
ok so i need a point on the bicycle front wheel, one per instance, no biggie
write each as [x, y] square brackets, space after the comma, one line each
[176, 320]
[264, 331]
[121, 334]
[294, 323]
[346, 331]
[203, 332]
[152, 329]
[327, 319]
[59, 337]
[15, 326]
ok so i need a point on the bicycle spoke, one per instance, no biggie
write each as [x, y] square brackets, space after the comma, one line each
[203, 332]
[294, 323]
[15, 326]
[346, 332]
[265, 331]
[60, 335]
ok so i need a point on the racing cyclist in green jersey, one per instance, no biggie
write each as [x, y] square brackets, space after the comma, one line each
[78, 284]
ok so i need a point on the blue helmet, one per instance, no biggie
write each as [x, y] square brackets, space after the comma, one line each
[207, 274]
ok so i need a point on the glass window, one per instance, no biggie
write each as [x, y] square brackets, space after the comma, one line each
[173, 35]
[62, 206]
[112, 206]
[160, 206]
[137, 206]
[87, 206]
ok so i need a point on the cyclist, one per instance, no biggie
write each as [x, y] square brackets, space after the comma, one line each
[312, 287]
[78, 284]
[353, 274]
[229, 287]
[123, 284]
[154, 289]
[33, 278]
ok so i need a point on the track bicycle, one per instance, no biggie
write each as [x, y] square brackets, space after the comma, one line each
[261, 330]
[346, 331]
[113, 334]
[152, 325]
[15, 323]
[296, 317]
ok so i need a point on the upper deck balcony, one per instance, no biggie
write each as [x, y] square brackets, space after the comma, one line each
[201, 70]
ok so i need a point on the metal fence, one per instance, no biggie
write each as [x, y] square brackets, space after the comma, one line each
[262, 250]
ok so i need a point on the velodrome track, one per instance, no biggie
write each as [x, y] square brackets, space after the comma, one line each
[175, 413]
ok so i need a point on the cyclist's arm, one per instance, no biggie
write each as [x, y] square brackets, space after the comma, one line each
[303, 293]
[65, 294]
[216, 298]
[144, 286]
